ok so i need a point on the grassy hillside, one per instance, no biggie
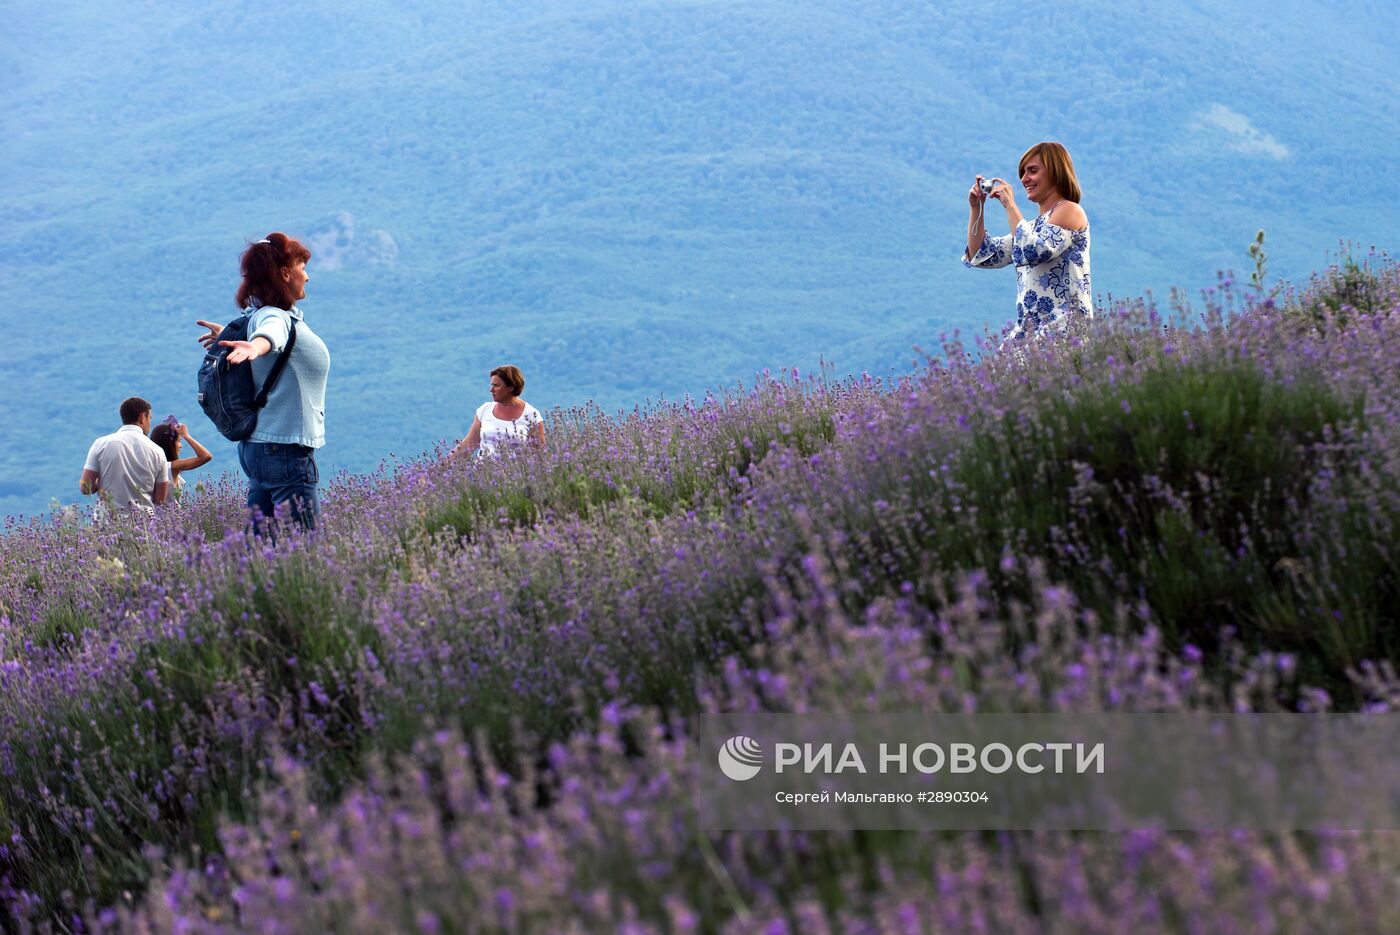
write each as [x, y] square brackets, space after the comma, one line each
[462, 705]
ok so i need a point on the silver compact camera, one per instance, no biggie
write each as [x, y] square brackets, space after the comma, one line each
[986, 185]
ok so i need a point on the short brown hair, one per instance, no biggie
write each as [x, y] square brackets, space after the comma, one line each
[1058, 167]
[512, 377]
[262, 265]
[132, 409]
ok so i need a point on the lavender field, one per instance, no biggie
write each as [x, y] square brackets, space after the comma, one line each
[462, 705]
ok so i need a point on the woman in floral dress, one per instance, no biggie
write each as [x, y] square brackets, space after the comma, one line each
[1051, 251]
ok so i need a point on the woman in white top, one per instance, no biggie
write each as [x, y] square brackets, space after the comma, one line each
[506, 420]
[1051, 256]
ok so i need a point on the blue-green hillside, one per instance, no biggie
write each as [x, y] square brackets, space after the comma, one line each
[627, 199]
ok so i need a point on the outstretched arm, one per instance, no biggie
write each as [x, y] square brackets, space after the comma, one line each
[212, 335]
[246, 350]
[242, 350]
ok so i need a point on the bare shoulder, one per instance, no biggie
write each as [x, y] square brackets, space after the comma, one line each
[1070, 216]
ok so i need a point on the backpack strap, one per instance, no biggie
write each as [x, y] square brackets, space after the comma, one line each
[277, 367]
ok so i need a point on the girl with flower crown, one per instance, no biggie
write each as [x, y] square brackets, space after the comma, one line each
[170, 435]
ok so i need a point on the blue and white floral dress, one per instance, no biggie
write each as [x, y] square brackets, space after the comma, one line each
[1052, 272]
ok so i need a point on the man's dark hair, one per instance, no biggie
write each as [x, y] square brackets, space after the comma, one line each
[133, 409]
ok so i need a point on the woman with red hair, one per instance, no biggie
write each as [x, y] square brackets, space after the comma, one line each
[279, 457]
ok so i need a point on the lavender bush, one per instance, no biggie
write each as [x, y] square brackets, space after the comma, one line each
[462, 704]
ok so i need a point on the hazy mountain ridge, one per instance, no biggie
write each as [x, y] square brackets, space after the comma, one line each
[625, 200]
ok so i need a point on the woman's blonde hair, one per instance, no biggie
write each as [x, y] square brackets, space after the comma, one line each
[1058, 167]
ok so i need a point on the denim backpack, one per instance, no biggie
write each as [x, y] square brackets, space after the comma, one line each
[226, 391]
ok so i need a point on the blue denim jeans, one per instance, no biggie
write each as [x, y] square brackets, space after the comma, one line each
[279, 473]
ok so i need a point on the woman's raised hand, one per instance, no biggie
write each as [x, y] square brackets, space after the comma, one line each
[242, 350]
[974, 194]
[213, 334]
[1003, 193]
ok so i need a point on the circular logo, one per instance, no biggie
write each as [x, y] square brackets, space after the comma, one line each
[740, 758]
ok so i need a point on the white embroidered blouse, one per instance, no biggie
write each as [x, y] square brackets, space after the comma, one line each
[1052, 272]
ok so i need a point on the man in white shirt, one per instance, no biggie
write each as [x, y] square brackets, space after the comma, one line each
[126, 467]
